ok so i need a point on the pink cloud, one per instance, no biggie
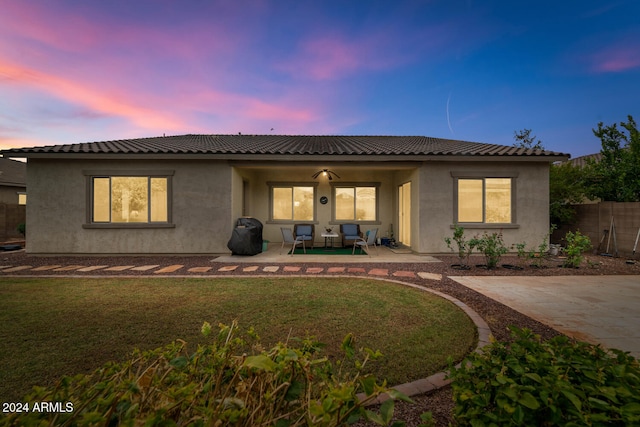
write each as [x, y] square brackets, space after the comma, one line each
[89, 97]
[333, 56]
[615, 59]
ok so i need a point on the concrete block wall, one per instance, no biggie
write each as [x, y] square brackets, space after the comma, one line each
[593, 219]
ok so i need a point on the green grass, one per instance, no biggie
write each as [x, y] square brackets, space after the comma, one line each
[55, 327]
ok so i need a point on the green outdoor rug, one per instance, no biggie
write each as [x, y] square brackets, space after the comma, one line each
[323, 251]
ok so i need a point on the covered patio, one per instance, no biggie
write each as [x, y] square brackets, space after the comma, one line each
[274, 255]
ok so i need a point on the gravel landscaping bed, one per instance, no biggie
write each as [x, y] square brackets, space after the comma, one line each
[497, 315]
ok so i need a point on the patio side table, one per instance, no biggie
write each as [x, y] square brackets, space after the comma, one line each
[330, 237]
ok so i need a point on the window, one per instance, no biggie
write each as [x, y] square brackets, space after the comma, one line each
[292, 202]
[355, 203]
[22, 198]
[129, 200]
[484, 200]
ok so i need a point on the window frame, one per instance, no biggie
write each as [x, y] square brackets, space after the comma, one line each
[149, 174]
[355, 185]
[292, 185]
[484, 176]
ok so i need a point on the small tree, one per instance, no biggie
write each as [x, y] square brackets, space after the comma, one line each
[524, 139]
[616, 177]
[567, 186]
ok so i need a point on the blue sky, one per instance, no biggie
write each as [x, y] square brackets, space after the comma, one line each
[78, 71]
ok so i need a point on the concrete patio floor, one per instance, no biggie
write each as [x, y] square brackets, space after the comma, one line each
[598, 309]
[274, 255]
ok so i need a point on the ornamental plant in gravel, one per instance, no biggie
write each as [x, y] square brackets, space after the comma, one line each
[462, 246]
[492, 247]
[554, 383]
[220, 384]
[577, 244]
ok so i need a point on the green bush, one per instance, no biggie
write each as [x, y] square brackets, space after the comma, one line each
[553, 383]
[538, 255]
[22, 228]
[233, 381]
[492, 247]
[462, 246]
[577, 244]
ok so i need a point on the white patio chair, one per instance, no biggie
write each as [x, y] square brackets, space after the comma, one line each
[364, 244]
[288, 239]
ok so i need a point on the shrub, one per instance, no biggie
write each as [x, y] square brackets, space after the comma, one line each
[577, 244]
[538, 255]
[219, 384]
[523, 254]
[553, 383]
[462, 246]
[22, 228]
[492, 247]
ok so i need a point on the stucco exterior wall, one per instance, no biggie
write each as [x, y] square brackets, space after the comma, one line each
[436, 203]
[56, 209]
[209, 195]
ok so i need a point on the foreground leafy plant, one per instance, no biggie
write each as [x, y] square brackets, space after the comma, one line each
[553, 383]
[220, 384]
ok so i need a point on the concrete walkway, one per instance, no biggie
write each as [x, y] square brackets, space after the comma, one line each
[598, 309]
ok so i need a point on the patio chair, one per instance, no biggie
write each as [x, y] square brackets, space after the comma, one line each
[365, 243]
[305, 232]
[350, 233]
[288, 239]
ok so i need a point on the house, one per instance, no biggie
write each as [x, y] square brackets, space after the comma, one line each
[13, 197]
[183, 194]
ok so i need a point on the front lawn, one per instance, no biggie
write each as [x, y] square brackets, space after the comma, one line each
[54, 327]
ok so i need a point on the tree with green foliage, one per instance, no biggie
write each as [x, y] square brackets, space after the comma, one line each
[567, 186]
[566, 182]
[616, 177]
[524, 139]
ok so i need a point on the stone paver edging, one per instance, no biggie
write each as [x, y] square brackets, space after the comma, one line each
[439, 380]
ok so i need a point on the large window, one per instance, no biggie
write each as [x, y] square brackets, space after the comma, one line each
[292, 202]
[129, 200]
[484, 200]
[355, 203]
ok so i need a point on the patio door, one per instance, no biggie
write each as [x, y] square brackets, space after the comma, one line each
[404, 213]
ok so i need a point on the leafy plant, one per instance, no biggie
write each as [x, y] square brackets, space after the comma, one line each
[232, 381]
[577, 244]
[523, 254]
[539, 255]
[22, 228]
[492, 247]
[554, 383]
[462, 246]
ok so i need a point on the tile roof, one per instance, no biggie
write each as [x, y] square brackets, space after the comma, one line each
[286, 145]
[582, 160]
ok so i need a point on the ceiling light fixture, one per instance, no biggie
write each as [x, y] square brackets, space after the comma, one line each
[325, 172]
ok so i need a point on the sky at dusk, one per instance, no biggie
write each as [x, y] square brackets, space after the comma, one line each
[80, 70]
